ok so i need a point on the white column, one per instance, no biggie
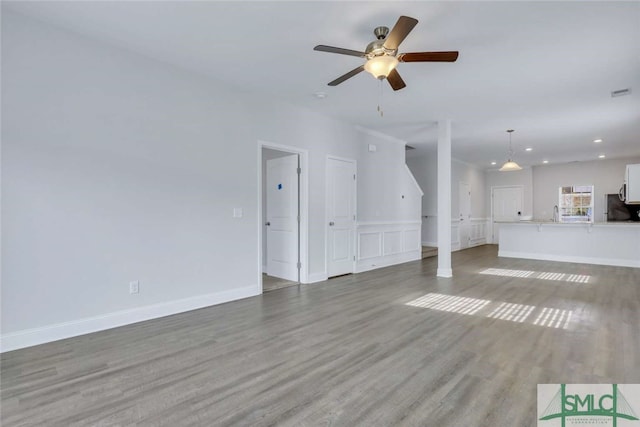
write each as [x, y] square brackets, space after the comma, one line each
[444, 199]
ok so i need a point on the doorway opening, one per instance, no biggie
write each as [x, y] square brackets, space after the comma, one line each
[464, 215]
[283, 216]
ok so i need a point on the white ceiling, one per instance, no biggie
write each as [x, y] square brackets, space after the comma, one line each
[545, 69]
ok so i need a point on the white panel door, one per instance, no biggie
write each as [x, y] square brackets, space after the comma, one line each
[341, 216]
[282, 217]
[464, 215]
[506, 204]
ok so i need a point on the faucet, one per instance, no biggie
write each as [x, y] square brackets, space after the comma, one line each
[556, 214]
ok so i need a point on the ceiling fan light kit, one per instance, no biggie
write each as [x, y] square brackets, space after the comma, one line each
[510, 165]
[382, 56]
[381, 66]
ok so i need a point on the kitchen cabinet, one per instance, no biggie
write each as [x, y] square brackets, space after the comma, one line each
[632, 181]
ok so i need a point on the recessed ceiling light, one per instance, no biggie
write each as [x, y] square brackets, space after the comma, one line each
[493, 163]
[597, 141]
[545, 161]
[528, 149]
[601, 156]
[320, 95]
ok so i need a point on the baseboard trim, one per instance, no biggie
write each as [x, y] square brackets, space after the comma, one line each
[381, 262]
[567, 258]
[444, 272]
[55, 332]
[432, 244]
[316, 277]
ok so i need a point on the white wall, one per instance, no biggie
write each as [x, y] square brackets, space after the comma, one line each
[470, 174]
[116, 167]
[425, 168]
[390, 192]
[607, 176]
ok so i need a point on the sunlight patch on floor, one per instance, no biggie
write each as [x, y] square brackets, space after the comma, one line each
[543, 275]
[519, 313]
[450, 303]
[513, 312]
[553, 318]
[508, 273]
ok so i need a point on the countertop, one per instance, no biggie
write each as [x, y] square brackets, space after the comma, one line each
[549, 222]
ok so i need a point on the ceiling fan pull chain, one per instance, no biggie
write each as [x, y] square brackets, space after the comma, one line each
[380, 101]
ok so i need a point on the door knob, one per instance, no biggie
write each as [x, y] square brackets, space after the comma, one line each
[331, 224]
[267, 223]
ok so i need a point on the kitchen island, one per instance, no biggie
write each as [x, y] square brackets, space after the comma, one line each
[607, 243]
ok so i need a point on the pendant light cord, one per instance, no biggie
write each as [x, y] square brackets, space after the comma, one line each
[510, 144]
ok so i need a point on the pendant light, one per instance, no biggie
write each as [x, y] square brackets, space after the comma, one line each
[510, 165]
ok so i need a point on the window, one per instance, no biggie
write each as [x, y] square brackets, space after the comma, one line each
[576, 203]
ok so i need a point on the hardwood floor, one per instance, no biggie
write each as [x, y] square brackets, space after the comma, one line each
[270, 283]
[429, 251]
[395, 346]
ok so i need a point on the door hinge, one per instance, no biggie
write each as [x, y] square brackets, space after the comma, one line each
[354, 257]
[299, 171]
[299, 265]
[354, 176]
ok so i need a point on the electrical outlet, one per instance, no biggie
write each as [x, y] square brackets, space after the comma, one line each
[134, 287]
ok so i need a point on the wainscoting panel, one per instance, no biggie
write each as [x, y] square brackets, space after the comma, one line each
[369, 245]
[412, 240]
[381, 244]
[478, 231]
[455, 234]
[392, 242]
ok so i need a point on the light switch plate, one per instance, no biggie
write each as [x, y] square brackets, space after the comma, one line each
[237, 212]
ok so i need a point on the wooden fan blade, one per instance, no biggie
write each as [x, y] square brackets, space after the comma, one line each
[450, 56]
[341, 51]
[402, 28]
[344, 77]
[395, 80]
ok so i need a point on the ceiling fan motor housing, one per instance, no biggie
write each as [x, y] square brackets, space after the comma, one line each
[381, 32]
[376, 47]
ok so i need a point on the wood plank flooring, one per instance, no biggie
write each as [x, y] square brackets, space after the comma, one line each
[429, 251]
[270, 283]
[395, 346]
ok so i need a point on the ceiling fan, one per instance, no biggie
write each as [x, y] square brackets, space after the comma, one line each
[382, 54]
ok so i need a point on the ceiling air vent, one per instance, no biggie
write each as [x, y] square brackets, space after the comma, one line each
[408, 147]
[621, 92]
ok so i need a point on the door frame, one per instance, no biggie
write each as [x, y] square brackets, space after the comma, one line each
[467, 221]
[494, 187]
[354, 249]
[303, 201]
